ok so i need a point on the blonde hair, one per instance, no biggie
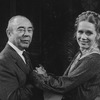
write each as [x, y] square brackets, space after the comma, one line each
[91, 17]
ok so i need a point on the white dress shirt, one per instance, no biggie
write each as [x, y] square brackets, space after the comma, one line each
[17, 50]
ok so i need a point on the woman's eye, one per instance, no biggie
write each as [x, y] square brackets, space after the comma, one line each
[89, 33]
[80, 32]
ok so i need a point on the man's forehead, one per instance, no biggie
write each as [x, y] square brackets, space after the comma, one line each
[18, 21]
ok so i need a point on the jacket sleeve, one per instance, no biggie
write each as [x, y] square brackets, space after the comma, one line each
[85, 70]
[10, 89]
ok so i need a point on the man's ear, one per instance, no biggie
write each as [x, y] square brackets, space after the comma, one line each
[8, 32]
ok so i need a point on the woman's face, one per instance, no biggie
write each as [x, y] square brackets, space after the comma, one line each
[86, 35]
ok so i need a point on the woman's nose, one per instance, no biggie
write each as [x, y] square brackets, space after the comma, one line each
[84, 36]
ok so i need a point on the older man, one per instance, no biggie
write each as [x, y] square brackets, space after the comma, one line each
[15, 72]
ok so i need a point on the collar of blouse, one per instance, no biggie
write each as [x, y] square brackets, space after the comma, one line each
[85, 53]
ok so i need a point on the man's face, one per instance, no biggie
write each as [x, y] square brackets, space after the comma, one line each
[86, 35]
[22, 33]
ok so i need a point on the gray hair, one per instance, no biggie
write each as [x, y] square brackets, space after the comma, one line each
[12, 22]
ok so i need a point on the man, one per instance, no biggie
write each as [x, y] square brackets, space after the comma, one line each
[15, 81]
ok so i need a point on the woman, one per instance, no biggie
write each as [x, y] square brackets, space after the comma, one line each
[81, 80]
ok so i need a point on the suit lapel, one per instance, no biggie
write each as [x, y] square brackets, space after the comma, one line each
[18, 60]
[20, 63]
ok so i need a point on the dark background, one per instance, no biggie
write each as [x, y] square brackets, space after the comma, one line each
[53, 20]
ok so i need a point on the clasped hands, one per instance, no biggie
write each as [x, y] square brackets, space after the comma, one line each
[41, 70]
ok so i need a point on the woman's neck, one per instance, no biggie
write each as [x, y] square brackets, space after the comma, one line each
[89, 50]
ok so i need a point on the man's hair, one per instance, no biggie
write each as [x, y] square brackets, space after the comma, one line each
[11, 22]
[91, 17]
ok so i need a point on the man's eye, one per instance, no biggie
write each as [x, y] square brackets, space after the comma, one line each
[30, 30]
[21, 30]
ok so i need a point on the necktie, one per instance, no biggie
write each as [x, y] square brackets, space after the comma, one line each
[27, 60]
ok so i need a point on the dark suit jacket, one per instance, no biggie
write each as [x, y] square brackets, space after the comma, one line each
[15, 81]
[81, 83]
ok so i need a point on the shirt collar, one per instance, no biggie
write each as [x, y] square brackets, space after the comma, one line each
[15, 48]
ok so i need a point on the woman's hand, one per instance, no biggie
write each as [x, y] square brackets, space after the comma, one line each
[41, 70]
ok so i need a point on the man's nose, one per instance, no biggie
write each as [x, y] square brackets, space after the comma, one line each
[26, 32]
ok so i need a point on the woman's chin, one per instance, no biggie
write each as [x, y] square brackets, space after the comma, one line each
[84, 47]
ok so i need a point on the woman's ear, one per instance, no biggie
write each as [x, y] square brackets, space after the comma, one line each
[98, 36]
[75, 35]
[98, 39]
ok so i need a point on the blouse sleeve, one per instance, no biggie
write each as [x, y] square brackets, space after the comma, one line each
[84, 70]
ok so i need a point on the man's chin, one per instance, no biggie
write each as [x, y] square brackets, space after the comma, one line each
[25, 46]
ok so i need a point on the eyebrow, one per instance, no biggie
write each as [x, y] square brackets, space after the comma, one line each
[89, 31]
[24, 27]
[80, 30]
[20, 27]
